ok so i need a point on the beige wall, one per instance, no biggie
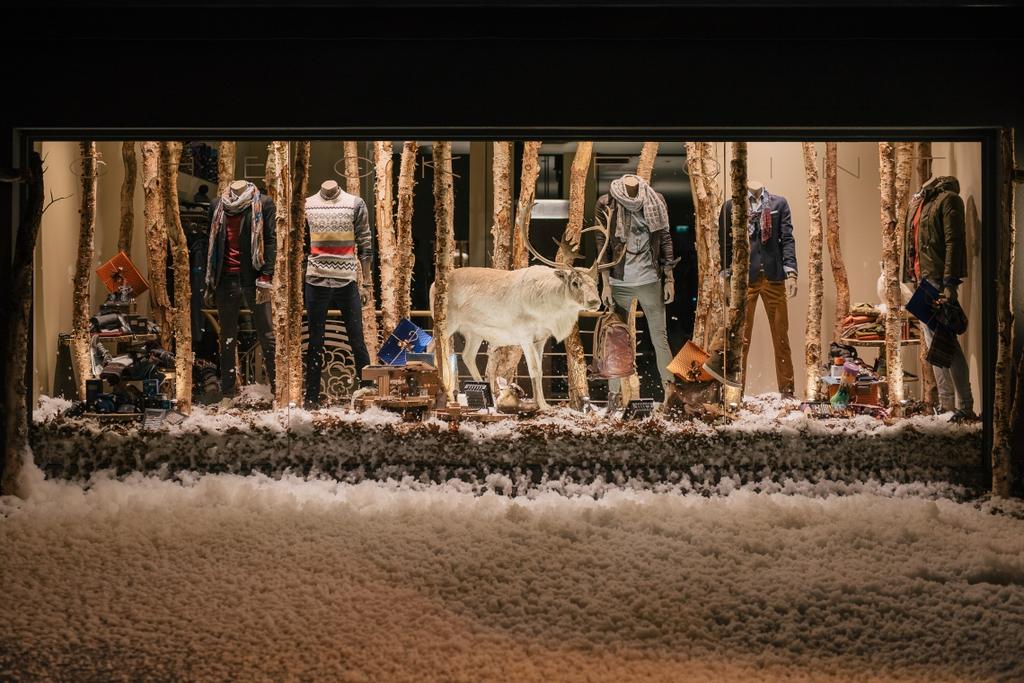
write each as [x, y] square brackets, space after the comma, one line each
[779, 165]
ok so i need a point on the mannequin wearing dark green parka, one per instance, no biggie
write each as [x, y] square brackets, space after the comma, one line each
[942, 234]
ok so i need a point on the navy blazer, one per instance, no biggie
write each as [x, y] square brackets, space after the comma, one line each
[773, 257]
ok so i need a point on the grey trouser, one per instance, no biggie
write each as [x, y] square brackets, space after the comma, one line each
[650, 297]
[956, 378]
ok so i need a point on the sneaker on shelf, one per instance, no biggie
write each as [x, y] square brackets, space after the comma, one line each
[715, 366]
[964, 415]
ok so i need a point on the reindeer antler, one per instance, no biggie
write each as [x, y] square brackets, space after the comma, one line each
[605, 230]
[526, 240]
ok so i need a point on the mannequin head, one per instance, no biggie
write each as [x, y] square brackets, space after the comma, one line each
[329, 189]
[632, 184]
[756, 187]
[238, 186]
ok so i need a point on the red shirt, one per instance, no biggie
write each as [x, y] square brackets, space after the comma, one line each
[232, 254]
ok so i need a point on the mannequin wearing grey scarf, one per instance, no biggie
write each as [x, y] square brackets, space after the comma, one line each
[640, 209]
[653, 205]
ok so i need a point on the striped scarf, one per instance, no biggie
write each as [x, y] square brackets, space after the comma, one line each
[765, 218]
[232, 203]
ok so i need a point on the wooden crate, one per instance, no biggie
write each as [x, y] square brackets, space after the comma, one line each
[868, 393]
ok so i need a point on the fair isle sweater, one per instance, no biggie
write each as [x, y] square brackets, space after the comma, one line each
[338, 239]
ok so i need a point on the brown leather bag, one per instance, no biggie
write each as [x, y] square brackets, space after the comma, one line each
[614, 354]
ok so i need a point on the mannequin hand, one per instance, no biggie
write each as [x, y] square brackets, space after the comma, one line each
[364, 296]
[791, 286]
[607, 298]
[949, 294]
[670, 290]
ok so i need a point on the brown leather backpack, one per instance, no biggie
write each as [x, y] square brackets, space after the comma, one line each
[614, 353]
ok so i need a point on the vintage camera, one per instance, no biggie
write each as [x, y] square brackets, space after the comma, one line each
[109, 322]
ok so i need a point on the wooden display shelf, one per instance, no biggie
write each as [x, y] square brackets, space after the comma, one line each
[127, 338]
[114, 417]
[876, 343]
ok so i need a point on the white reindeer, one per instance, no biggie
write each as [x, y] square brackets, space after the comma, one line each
[522, 307]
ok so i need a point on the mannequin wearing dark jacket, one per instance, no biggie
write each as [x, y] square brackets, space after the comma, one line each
[232, 274]
[934, 249]
[771, 278]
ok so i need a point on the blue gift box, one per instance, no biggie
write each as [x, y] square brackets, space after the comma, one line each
[407, 338]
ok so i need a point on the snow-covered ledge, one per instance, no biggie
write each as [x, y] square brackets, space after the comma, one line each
[764, 444]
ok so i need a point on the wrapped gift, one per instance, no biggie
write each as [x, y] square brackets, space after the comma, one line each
[407, 338]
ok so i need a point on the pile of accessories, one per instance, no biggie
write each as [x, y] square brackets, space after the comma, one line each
[849, 380]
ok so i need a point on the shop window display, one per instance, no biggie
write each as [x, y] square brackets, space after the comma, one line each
[630, 283]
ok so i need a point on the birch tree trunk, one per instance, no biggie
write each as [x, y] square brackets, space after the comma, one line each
[181, 321]
[403, 231]
[929, 391]
[645, 167]
[707, 199]
[504, 361]
[528, 175]
[131, 172]
[734, 359]
[225, 166]
[17, 308]
[835, 251]
[352, 180]
[1002, 421]
[296, 230]
[815, 284]
[444, 244]
[576, 364]
[353, 186]
[279, 185]
[904, 171]
[156, 241]
[893, 297]
[385, 234]
[501, 231]
[81, 355]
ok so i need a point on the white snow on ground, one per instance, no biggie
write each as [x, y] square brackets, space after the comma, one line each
[221, 577]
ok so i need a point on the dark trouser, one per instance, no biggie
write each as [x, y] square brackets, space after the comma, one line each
[231, 297]
[318, 301]
[777, 308]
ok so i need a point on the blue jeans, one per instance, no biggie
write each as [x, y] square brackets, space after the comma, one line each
[318, 301]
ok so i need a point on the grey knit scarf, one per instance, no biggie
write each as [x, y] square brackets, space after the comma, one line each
[650, 202]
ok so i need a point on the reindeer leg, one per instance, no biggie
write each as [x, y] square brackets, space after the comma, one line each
[469, 352]
[533, 362]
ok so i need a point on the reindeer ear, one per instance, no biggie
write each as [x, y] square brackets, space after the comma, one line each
[564, 275]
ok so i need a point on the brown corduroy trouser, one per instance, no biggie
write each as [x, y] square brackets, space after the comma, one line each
[773, 294]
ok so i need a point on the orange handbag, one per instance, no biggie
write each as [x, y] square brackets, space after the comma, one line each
[687, 365]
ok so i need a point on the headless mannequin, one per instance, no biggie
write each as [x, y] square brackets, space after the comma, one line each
[756, 188]
[632, 185]
[329, 189]
[238, 186]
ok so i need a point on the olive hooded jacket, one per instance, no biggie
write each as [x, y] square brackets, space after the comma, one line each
[941, 235]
